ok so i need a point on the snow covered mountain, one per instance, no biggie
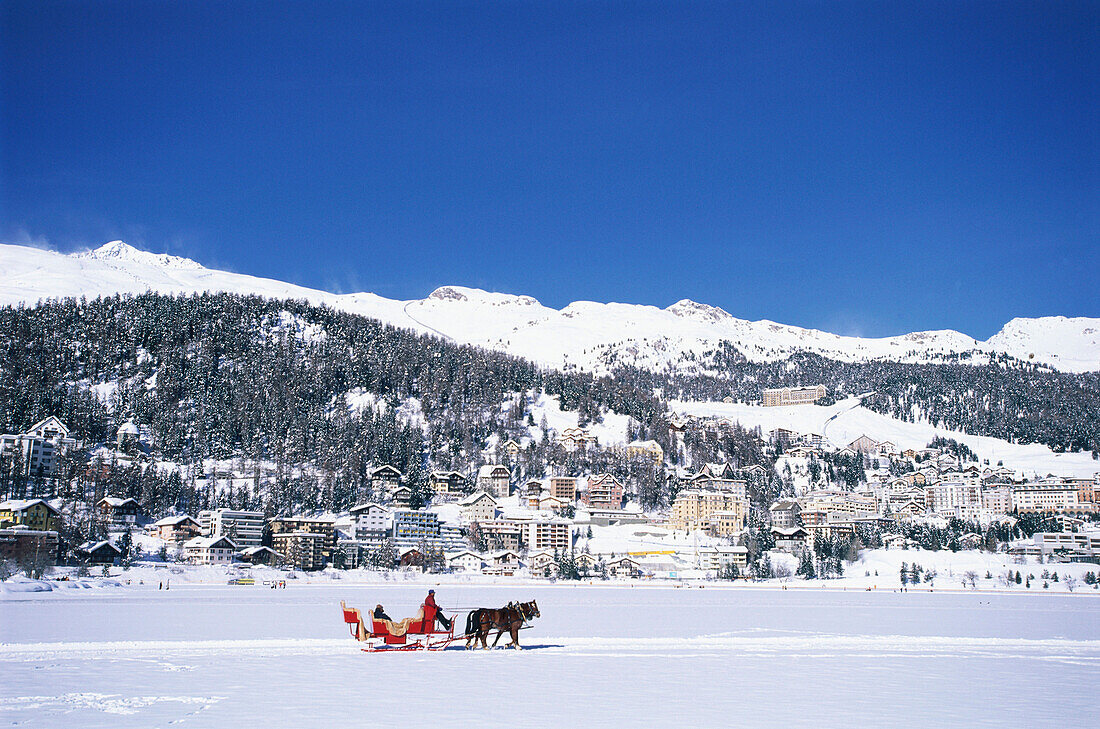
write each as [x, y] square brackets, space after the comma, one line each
[584, 335]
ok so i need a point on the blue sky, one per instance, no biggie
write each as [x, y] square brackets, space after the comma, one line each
[866, 168]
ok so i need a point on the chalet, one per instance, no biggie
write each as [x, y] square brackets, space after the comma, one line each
[209, 550]
[864, 445]
[465, 560]
[586, 562]
[410, 557]
[119, 513]
[127, 436]
[260, 555]
[754, 470]
[177, 529]
[401, 497]
[794, 540]
[540, 561]
[478, 506]
[103, 552]
[502, 563]
[31, 513]
[534, 487]
[574, 439]
[448, 483]
[552, 503]
[495, 479]
[624, 567]
[650, 449]
[384, 479]
[604, 492]
[511, 447]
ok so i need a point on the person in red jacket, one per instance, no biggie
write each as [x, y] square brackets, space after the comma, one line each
[429, 602]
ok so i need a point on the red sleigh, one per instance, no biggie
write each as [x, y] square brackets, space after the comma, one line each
[420, 635]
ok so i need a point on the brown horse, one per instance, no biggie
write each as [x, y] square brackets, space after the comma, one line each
[509, 618]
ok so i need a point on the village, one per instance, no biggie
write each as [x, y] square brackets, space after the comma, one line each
[584, 525]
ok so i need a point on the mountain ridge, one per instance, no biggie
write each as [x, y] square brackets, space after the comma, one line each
[584, 334]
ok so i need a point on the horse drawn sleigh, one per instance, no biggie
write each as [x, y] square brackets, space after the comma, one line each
[421, 632]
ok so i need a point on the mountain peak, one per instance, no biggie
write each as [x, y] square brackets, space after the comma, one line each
[119, 251]
[688, 309]
[462, 293]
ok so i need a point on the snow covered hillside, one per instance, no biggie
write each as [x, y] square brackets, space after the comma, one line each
[847, 420]
[584, 334]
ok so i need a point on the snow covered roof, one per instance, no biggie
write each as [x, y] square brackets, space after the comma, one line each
[24, 504]
[128, 428]
[208, 542]
[115, 502]
[173, 520]
[475, 497]
[90, 547]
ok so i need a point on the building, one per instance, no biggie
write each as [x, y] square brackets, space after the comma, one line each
[30, 513]
[260, 555]
[511, 447]
[325, 526]
[650, 449]
[785, 513]
[703, 480]
[495, 480]
[177, 529]
[1045, 496]
[864, 445]
[103, 552]
[411, 528]
[548, 535]
[127, 436]
[793, 396]
[373, 524]
[729, 522]
[40, 447]
[697, 508]
[216, 549]
[954, 498]
[502, 533]
[384, 479]
[564, 488]
[479, 507]
[997, 498]
[624, 567]
[465, 560]
[447, 484]
[604, 492]
[576, 439]
[794, 540]
[782, 437]
[244, 528]
[1070, 546]
[29, 546]
[119, 513]
[302, 550]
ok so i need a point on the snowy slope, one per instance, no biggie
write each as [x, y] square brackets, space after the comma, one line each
[847, 420]
[584, 334]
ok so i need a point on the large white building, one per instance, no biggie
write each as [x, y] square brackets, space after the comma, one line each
[793, 395]
[40, 447]
[1044, 496]
[954, 498]
[245, 528]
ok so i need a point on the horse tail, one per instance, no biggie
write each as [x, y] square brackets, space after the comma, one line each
[470, 622]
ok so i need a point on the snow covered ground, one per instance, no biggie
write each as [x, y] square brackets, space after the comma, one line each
[600, 656]
[846, 420]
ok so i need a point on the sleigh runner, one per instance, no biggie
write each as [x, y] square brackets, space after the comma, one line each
[411, 634]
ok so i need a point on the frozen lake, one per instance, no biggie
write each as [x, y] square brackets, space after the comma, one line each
[207, 656]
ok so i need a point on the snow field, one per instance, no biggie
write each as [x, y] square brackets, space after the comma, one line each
[598, 657]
